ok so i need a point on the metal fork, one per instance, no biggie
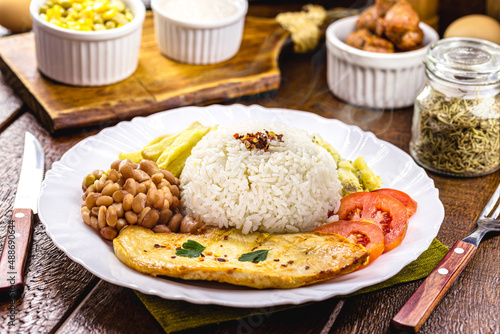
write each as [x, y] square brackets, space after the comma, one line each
[420, 305]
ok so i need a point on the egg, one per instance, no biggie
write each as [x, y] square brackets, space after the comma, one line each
[15, 15]
[476, 26]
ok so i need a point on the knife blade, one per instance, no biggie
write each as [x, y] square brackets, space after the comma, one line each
[20, 227]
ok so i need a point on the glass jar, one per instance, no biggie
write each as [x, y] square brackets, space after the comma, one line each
[456, 120]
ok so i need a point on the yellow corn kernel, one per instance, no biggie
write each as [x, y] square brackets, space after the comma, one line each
[88, 12]
[108, 15]
[77, 6]
[129, 16]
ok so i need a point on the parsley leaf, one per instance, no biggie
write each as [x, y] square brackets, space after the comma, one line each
[190, 248]
[257, 256]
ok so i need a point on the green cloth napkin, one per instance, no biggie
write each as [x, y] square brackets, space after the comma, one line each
[176, 315]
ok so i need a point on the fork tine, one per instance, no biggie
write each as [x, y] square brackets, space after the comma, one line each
[496, 213]
[491, 204]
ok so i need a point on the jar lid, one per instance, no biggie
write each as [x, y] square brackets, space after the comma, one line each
[466, 61]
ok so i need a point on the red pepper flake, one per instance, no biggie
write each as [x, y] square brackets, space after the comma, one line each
[159, 246]
[307, 267]
[276, 260]
[259, 140]
[220, 259]
[290, 262]
[173, 257]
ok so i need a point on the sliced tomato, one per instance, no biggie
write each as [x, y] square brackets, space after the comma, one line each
[365, 233]
[383, 210]
[408, 202]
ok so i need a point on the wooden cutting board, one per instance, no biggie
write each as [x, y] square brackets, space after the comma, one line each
[158, 83]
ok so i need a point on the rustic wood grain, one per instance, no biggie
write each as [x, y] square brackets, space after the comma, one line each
[11, 104]
[158, 83]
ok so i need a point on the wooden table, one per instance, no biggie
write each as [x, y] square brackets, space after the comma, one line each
[61, 296]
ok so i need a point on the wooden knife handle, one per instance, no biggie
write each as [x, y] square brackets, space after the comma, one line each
[421, 304]
[15, 253]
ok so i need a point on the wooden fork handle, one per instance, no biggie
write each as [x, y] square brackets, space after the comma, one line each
[421, 304]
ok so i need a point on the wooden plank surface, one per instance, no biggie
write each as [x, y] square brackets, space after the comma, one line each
[158, 83]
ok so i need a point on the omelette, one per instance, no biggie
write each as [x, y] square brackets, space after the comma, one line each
[258, 260]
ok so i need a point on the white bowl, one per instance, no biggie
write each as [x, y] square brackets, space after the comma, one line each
[88, 58]
[371, 79]
[200, 42]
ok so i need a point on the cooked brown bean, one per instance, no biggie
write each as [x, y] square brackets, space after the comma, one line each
[168, 195]
[141, 215]
[90, 189]
[95, 211]
[174, 190]
[175, 203]
[161, 229]
[165, 215]
[94, 223]
[99, 184]
[110, 189]
[139, 203]
[104, 200]
[149, 167]
[119, 209]
[101, 217]
[168, 176]
[150, 218]
[121, 223]
[91, 199]
[157, 178]
[108, 233]
[163, 183]
[121, 180]
[126, 170]
[115, 164]
[130, 186]
[113, 175]
[128, 199]
[141, 176]
[131, 217]
[156, 198]
[111, 216]
[141, 188]
[98, 173]
[199, 222]
[119, 195]
[188, 225]
[175, 221]
[85, 215]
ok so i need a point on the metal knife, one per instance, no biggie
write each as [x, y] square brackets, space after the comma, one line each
[20, 226]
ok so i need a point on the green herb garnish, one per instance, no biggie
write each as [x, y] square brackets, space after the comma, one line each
[190, 248]
[257, 256]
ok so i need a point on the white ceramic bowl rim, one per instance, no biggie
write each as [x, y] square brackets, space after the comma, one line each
[242, 10]
[137, 8]
[332, 39]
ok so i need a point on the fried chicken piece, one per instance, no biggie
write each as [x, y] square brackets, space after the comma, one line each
[401, 26]
[365, 40]
[384, 5]
[371, 19]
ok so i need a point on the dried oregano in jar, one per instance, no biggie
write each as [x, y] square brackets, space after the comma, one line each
[456, 122]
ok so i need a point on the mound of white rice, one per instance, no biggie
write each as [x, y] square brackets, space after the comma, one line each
[290, 188]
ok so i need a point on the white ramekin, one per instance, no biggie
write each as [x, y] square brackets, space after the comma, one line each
[198, 43]
[371, 79]
[88, 58]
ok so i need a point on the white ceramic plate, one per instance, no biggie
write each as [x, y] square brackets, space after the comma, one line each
[59, 204]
